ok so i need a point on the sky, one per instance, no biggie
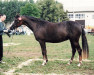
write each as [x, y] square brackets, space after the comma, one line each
[70, 5]
[77, 4]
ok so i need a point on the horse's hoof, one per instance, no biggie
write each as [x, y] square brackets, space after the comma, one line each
[44, 63]
[70, 61]
[79, 65]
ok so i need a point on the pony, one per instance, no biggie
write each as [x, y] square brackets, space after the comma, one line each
[45, 31]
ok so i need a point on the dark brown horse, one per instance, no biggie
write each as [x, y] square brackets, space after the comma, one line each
[45, 31]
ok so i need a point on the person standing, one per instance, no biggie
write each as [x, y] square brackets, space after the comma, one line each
[2, 29]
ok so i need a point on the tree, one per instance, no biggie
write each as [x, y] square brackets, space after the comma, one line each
[62, 15]
[31, 1]
[51, 10]
[10, 8]
[30, 10]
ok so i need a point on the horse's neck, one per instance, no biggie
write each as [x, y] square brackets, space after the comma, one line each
[31, 25]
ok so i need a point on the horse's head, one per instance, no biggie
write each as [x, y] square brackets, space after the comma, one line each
[17, 22]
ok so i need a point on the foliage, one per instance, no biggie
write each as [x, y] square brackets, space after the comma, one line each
[45, 9]
[30, 10]
[11, 8]
[52, 11]
[31, 1]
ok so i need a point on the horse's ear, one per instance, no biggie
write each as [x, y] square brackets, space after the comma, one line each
[19, 18]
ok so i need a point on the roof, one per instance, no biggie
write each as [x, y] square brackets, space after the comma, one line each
[80, 11]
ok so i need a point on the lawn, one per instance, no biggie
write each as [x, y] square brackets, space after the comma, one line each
[29, 48]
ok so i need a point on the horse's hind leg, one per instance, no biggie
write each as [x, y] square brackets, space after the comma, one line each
[79, 52]
[44, 52]
[73, 52]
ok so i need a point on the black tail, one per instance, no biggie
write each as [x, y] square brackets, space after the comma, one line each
[85, 53]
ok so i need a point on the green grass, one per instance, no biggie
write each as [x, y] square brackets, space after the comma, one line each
[10, 63]
[58, 67]
[29, 48]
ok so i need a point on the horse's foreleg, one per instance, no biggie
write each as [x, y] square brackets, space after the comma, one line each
[44, 52]
[73, 53]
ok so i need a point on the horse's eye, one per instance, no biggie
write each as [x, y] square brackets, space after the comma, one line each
[17, 21]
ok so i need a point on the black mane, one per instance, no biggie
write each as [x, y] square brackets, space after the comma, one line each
[36, 19]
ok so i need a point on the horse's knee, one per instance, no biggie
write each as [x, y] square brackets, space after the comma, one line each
[78, 48]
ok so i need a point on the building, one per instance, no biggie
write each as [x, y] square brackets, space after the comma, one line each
[86, 18]
[81, 11]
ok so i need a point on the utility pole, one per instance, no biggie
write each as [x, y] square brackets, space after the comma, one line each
[73, 10]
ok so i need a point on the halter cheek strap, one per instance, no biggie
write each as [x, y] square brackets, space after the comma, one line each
[20, 24]
[20, 20]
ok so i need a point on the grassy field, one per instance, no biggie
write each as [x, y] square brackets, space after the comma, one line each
[29, 48]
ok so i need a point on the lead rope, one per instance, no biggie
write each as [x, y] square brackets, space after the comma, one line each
[10, 46]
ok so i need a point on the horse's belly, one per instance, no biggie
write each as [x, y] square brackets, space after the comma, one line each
[56, 40]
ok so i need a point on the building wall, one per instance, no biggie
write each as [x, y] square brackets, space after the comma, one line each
[87, 16]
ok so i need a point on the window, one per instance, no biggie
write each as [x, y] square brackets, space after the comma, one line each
[70, 15]
[79, 16]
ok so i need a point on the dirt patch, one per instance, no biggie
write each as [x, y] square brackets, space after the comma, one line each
[11, 44]
[25, 54]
